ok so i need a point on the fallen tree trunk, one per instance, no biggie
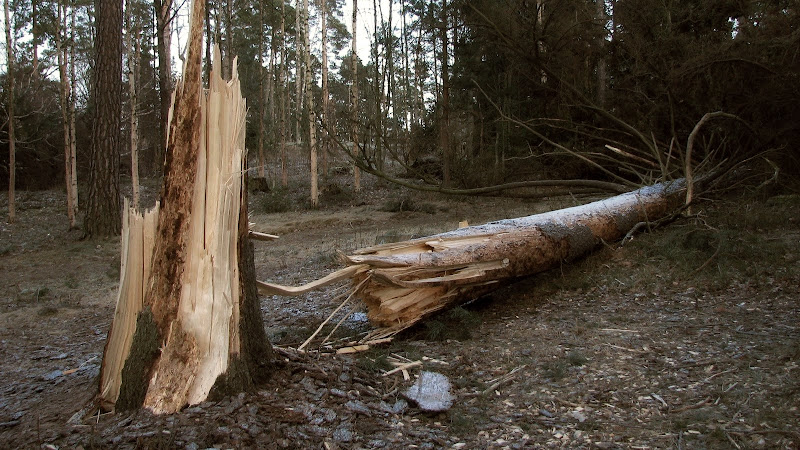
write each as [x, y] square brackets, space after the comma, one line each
[403, 282]
[188, 321]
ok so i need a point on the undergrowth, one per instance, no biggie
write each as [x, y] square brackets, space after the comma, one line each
[456, 324]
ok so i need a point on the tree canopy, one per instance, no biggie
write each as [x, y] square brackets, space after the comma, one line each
[530, 90]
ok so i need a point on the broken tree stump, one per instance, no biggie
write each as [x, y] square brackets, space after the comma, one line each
[188, 321]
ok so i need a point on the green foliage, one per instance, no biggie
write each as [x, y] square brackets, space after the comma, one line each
[71, 282]
[334, 194]
[554, 370]
[456, 323]
[47, 311]
[33, 295]
[374, 360]
[275, 201]
[460, 422]
[436, 330]
[407, 204]
[576, 358]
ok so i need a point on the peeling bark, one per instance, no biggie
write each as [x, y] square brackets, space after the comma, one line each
[403, 282]
[409, 280]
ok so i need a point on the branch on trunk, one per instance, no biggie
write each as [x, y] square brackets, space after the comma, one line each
[688, 170]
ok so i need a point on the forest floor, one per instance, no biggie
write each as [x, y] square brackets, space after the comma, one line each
[686, 337]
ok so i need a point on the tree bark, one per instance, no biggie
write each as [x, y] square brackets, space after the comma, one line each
[195, 330]
[354, 101]
[407, 109]
[444, 127]
[10, 80]
[61, 51]
[283, 93]
[312, 115]
[325, 93]
[163, 42]
[103, 203]
[406, 281]
[73, 141]
[262, 91]
[132, 47]
[299, 72]
[378, 89]
[65, 103]
[602, 64]
[402, 283]
[35, 41]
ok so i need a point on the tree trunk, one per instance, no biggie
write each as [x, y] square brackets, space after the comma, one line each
[378, 89]
[283, 92]
[407, 109]
[10, 80]
[73, 141]
[64, 91]
[325, 93]
[262, 91]
[35, 41]
[403, 282]
[444, 127]
[419, 93]
[195, 330]
[299, 72]
[209, 42]
[602, 77]
[354, 101]
[132, 46]
[270, 96]
[227, 47]
[103, 205]
[164, 43]
[312, 116]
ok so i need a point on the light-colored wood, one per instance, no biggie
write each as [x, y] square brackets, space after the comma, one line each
[207, 312]
[138, 234]
[403, 282]
[353, 349]
[408, 280]
[258, 236]
[199, 327]
[290, 291]
[403, 367]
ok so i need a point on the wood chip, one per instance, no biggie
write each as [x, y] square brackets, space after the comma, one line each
[259, 236]
[353, 349]
[403, 367]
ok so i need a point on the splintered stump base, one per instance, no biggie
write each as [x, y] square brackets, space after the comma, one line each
[187, 321]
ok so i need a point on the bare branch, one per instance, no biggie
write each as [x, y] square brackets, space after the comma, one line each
[364, 165]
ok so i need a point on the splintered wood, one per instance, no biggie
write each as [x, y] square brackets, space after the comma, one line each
[138, 234]
[406, 281]
[403, 282]
[198, 322]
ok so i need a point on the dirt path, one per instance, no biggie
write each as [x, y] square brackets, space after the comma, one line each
[686, 338]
